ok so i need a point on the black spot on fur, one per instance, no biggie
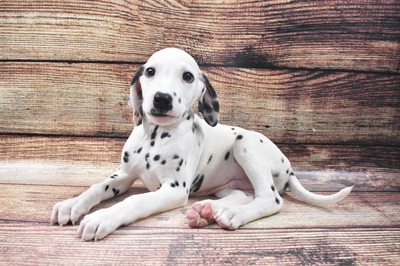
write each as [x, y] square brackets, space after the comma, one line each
[146, 156]
[276, 175]
[154, 134]
[261, 141]
[163, 162]
[291, 173]
[176, 183]
[197, 183]
[286, 186]
[116, 191]
[126, 157]
[184, 184]
[188, 117]
[139, 150]
[147, 166]
[106, 188]
[175, 157]
[157, 157]
[233, 128]
[178, 168]
[179, 100]
[277, 200]
[239, 137]
[181, 162]
[273, 188]
[227, 155]
[209, 159]
[114, 176]
[152, 143]
[283, 160]
[165, 135]
[287, 171]
[172, 185]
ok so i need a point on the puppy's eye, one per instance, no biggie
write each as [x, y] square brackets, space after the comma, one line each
[150, 72]
[188, 77]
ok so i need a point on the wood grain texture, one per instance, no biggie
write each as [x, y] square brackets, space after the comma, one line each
[350, 35]
[84, 161]
[359, 210]
[361, 229]
[288, 106]
[43, 245]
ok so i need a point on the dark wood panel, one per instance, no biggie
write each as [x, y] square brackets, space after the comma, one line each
[352, 35]
[84, 161]
[288, 106]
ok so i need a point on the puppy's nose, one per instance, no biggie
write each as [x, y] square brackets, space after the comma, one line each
[162, 101]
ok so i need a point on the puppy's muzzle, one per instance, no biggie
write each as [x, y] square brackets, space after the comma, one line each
[162, 103]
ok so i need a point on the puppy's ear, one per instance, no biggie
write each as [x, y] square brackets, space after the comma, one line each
[136, 98]
[208, 103]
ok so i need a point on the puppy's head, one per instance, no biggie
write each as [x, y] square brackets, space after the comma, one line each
[166, 87]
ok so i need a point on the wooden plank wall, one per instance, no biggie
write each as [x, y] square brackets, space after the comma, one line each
[303, 73]
[319, 78]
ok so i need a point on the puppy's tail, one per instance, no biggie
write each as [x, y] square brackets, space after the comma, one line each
[322, 200]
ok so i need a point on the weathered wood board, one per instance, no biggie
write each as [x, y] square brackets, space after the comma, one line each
[85, 161]
[351, 35]
[288, 106]
[362, 229]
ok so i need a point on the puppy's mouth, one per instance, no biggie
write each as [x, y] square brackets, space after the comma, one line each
[158, 113]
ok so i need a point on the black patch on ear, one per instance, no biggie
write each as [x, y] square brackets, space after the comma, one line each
[208, 104]
[137, 75]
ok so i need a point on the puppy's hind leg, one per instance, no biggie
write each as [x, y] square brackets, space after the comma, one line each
[254, 161]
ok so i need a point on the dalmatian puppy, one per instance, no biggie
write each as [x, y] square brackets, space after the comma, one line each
[176, 154]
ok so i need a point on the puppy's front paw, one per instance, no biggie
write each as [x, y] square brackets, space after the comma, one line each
[98, 225]
[68, 210]
[229, 218]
